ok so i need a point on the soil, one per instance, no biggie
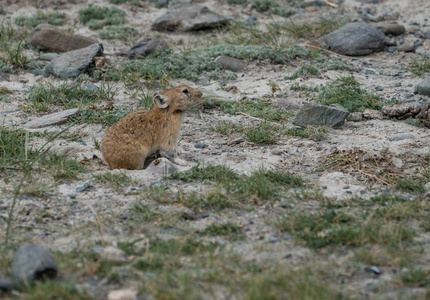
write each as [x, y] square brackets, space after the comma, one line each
[394, 145]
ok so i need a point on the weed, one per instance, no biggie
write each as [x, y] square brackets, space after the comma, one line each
[346, 92]
[263, 134]
[405, 184]
[51, 290]
[256, 108]
[102, 115]
[315, 30]
[117, 181]
[315, 133]
[229, 230]
[219, 174]
[303, 69]
[62, 167]
[95, 17]
[54, 18]
[274, 87]
[225, 127]
[335, 64]
[415, 122]
[419, 67]
[416, 277]
[120, 32]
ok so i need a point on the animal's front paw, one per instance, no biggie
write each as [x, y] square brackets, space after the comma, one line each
[179, 161]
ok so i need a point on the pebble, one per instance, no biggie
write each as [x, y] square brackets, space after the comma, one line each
[124, 294]
[113, 254]
[84, 186]
[373, 269]
[199, 145]
[185, 213]
[206, 151]
[5, 285]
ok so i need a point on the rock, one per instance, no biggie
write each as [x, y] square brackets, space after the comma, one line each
[48, 56]
[146, 47]
[74, 63]
[49, 38]
[125, 294]
[357, 38]
[355, 117]
[113, 254]
[423, 88]
[317, 114]
[230, 63]
[372, 114]
[391, 28]
[426, 35]
[53, 119]
[401, 137]
[162, 166]
[200, 145]
[188, 17]
[424, 115]
[89, 87]
[32, 262]
[373, 269]
[185, 213]
[407, 47]
[403, 110]
[83, 187]
[5, 286]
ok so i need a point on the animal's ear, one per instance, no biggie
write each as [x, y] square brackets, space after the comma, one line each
[161, 101]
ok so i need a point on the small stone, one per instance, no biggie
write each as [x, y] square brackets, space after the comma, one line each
[48, 56]
[426, 35]
[89, 87]
[423, 88]
[32, 262]
[162, 166]
[355, 117]
[251, 19]
[373, 269]
[391, 28]
[48, 37]
[83, 187]
[392, 49]
[125, 294]
[5, 286]
[317, 114]
[113, 254]
[230, 63]
[146, 47]
[53, 119]
[401, 137]
[200, 145]
[407, 47]
[372, 114]
[206, 151]
[379, 89]
[188, 17]
[277, 151]
[283, 203]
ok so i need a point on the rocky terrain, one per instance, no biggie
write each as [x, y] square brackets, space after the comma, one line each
[308, 159]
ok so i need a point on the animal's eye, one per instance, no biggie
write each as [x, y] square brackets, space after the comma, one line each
[185, 91]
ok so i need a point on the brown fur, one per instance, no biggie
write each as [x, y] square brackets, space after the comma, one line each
[128, 142]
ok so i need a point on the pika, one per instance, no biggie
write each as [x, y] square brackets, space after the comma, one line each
[128, 142]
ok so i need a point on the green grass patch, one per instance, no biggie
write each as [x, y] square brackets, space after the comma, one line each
[51, 17]
[228, 230]
[263, 133]
[315, 133]
[96, 17]
[347, 92]
[315, 30]
[416, 277]
[332, 228]
[219, 174]
[304, 70]
[11, 48]
[62, 167]
[405, 184]
[52, 290]
[119, 32]
[257, 108]
[102, 115]
[419, 67]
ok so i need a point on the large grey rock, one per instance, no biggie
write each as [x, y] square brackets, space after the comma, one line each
[317, 114]
[230, 63]
[53, 119]
[402, 110]
[188, 17]
[5, 286]
[51, 38]
[32, 262]
[355, 39]
[74, 63]
[146, 47]
[391, 28]
[423, 88]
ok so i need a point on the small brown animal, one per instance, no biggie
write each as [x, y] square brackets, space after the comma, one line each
[128, 142]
